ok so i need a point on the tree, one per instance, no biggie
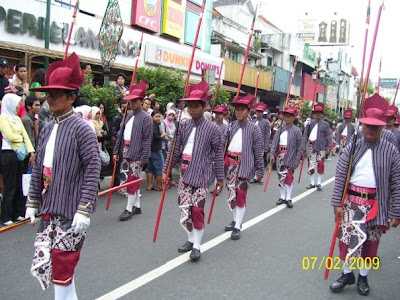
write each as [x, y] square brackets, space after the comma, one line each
[222, 97]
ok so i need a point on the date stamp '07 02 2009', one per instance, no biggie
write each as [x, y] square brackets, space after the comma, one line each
[335, 263]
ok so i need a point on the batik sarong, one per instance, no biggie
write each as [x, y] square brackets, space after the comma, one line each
[237, 187]
[315, 159]
[130, 171]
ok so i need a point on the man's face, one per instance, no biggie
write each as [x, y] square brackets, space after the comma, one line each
[22, 73]
[242, 112]
[123, 106]
[35, 107]
[288, 118]
[195, 109]
[59, 101]
[371, 132]
[157, 118]
[219, 117]
[259, 113]
[318, 115]
[88, 70]
[3, 70]
[136, 104]
[390, 121]
[146, 104]
[347, 120]
[120, 80]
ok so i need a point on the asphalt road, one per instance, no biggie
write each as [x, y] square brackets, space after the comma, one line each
[119, 259]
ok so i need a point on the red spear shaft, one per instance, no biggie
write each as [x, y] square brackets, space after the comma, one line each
[137, 60]
[395, 94]
[365, 46]
[160, 207]
[70, 29]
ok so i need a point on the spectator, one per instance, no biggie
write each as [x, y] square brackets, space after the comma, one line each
[44, 115]
[30, 122]
[21, 78]
[155, 105]
[87, 71]
[156, 161]
[87, 115]
[103, 117]
[169, 128]
[170, 105]
[3, 79]
[14, 135]
[147, 106]
[99, 126]
[121, 85]
[38, 80]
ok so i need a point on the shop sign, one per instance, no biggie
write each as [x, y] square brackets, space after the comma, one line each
[173, 19]
[146, 14]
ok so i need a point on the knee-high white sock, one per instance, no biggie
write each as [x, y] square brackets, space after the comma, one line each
[136, 201]
[68, 292]
[289, 189]
[346, 269]
[239, 216]
[130, 202]
[282, 191]
[319, 178]
[234, 214]
[197, 234]
[312, 181]
[364, 271]
[191, 236]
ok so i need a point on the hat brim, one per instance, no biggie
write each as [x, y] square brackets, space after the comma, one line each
[237, 104]
[287, 112]
[372, 121]
[191, 99]
[53, 87]
[132, 97]
[317, 111]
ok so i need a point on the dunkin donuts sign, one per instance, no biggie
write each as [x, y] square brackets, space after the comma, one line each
[147, 14]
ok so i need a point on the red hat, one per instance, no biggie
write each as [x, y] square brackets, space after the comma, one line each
[198, 92]
[374, 111]
[246, 100]
[290, 110]
[137, 91]
[221, 109]
[261, 106]
[64, 74]
[319, 107]
[397, 122]
[392, 111]
[348, 114]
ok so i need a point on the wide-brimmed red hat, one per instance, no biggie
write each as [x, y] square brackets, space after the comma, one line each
[348, 114]
[374, 111]
[247, 100]
[289, 110]
[64, 74]
[198, 92]
[319, 107]
[221, 109]
[392, 111]
[397, 122]
[261, 106]
[137, 91]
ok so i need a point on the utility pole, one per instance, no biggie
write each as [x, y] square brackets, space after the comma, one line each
[47, 33]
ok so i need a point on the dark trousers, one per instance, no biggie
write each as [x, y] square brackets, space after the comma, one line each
[13, 203]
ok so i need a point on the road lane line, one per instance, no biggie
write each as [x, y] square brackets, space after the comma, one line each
[176, 262]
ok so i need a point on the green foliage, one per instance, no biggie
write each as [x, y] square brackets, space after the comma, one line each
[222, 97]
[306, 110]
[370, 90]
[256, 44]
[388, 99]
[330, 114]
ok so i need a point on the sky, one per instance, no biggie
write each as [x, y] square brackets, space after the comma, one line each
[285, 13]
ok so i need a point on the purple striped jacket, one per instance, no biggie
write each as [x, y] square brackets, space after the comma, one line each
[293, 152]
[350, 132]
[396, 133]
[324, 136]
[141, 137]
[386, 164]
[207, 159]
[222, 127]
[388, 136]
[75, 172]
[265, 128]
[252, 161]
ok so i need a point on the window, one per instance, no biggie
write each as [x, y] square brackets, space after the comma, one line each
[233, 55]
[269, 61]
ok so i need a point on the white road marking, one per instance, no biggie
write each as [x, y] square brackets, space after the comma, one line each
[176, 262]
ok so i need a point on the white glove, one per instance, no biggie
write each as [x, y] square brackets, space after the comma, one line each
[31, 214]
[80, 222]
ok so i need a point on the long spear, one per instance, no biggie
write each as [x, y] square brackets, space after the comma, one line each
[379, 77]
[70, 29]
[365, 45]
[247, 52]
[123, 127]
[171, 155]
[353, 147]
[395, 94]
[257, 80]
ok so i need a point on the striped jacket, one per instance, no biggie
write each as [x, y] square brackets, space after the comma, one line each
[387, 175]
[222, 127]
[265, 128]
[207, 159]
[324, 136]
[396, 133]
[293, 152]
[141, 137]
[252, 161]
[350, 132]
[75, 172]
[389, 136]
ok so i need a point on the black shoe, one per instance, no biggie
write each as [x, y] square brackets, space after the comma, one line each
[253, 181]
[362, 285]
[230, 226]
[345, 279]
[280, 201]
[319, 188]
[195, 254]
[136, 210]
[187, 247]
[126, 215]
[310, 186]
[235, 235]
[289, 203]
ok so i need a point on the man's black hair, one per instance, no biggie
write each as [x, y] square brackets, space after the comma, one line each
[18, 66]
[29, 102]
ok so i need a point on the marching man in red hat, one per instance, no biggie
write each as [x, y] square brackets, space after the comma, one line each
[345, 130]
[286, 150]
[367, 210]
[391, 115]
[64, 181]
[221, 111]
[135, 137]
[199, 147]
[245, 160]
[265, 128]
[319, 136]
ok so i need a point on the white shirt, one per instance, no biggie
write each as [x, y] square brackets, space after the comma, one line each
[5, 145]
[283, 138]
[344, 132]
[236, 143]
[49, 152]
[128, 129]
[190, 143]
[313, 134]
[256, 122]
[363, 174]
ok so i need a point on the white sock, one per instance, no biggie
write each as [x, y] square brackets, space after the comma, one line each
[197, 235]
[364, 271]
[289, 189]
[191, 236]
[68, 292]
[234, 214]
[346, 269]
[130, 202]
[282, 191]
[312, 181]
[136, 201]
[319, 178]
[239, 216]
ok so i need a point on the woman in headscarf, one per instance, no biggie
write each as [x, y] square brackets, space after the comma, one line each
[170, 105]
[98, 124]
[14, 135]
[86, 115]
[169, 128]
